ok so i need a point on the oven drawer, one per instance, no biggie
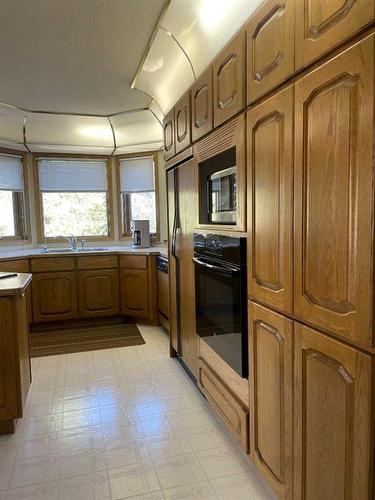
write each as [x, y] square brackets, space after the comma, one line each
[229, 407]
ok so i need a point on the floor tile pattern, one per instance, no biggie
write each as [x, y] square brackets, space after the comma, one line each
[121, 424]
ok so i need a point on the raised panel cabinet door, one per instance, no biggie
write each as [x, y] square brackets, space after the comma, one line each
[270, 201]
[332, 418]
[270, 47]
[134, 293]
[271, 397]
[229, 79]
[201, 105]
[168, 135]
[54, 296]
[23, 349]
[98, 293]
[182, 113]
[334, 201]
[322, 25]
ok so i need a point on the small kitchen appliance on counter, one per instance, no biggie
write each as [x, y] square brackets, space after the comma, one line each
[141, 233]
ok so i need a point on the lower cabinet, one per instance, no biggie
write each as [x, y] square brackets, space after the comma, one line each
[54, 296]
[98, 293]
[333, 424]
[271, 397]
[15, 370]
[134, 293]
[233, 412]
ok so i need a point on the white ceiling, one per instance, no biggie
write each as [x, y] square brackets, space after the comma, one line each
[74, 56]
[68, 68]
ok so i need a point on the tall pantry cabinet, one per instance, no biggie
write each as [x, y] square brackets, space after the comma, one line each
[311, 251]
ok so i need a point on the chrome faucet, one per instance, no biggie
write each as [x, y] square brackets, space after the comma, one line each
[73, 241]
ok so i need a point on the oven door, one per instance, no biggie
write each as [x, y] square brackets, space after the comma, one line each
[220, 313]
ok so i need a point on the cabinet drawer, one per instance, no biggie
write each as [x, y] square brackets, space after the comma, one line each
[133, 261]
[233, 412]
[52, 264]
[15, 266]
[97, 262]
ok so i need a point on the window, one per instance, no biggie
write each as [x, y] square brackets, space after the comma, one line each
[13, 224]
[137, 191]
[74, 197]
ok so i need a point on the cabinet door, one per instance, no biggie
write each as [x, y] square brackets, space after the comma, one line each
[54, 296]
[270, 201]
[332, 412]
[134, 293]
[23, 349]
[271, 402]
[98, 293]
[333, 194]
[229, 74]
[168, 134]
[270, 47]
[201, 105]
[183, 123]
[320, 26]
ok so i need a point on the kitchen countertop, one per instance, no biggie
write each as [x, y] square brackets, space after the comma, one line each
[13, 253]
[15, 285]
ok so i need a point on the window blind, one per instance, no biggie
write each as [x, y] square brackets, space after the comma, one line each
[72, 175]
[137, 174]
[11, 173]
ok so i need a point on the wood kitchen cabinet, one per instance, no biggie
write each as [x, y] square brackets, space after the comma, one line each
[270, 201]
[169, 135]
[98, 293]
[334, 202]
[333, 424]
[271, 397]
[54, 296]
[229, 80]
[182, 113]
[15, 370]
[201, 105]
[20, 266]
[134, 296]
[138, 286]
[270, 47]
[322, 25]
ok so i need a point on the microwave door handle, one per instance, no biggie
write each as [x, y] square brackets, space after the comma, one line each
[219, 269]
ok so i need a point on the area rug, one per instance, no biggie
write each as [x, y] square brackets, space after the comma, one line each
[51, 339]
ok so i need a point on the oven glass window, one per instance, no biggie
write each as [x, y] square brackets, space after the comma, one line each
[218, 315]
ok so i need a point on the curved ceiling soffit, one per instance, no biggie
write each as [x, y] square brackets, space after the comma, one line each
[20, 138]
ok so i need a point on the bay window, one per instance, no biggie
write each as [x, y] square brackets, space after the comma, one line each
[13, 212]
[74, 198]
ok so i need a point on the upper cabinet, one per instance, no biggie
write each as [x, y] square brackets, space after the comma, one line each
[201, 105]
[182, 123]
[168, 134]
[322, 25]
[229, 79]
[270, 47]
[334, 203]
[270, 201]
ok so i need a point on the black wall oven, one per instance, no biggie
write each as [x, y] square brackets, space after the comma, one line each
[221, 297]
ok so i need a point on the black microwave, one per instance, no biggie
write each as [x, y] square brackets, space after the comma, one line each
[218, 189]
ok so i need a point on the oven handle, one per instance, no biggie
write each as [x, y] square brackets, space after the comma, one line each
[222, 270]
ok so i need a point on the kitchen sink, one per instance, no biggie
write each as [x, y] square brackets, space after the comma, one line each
[70, 250]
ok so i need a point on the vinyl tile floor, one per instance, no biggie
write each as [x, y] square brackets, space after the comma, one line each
[122, 424]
